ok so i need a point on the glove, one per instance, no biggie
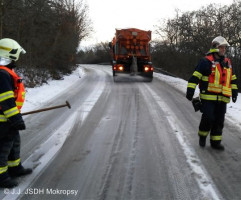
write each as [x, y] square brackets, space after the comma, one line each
[189, 94]
[18, 125]
[196, 104]
[234, 99]
[234, 95]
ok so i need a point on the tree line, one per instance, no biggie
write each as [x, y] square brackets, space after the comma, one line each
[97, 54]
[187, 37]
[49, 30]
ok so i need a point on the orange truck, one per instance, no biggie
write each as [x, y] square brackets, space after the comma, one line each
[130, 52]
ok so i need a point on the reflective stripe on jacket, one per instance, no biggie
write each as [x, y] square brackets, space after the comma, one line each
[220, 78]
[203, 73]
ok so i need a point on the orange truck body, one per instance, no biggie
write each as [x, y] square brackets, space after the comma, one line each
[128, 46]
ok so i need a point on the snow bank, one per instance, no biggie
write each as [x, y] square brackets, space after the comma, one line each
[35, 97]
[233, 109]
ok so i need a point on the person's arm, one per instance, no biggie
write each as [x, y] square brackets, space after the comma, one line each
[234, 86]
[196, 77]
[8, 104]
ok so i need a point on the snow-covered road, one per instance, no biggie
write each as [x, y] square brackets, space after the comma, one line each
[124, 140]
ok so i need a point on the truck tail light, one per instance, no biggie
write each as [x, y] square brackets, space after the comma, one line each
[148, 68]
[118, 67]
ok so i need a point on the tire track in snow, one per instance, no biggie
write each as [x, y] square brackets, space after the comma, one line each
[206, 185]
[106, 179]
[116, 149]
[128, 184]
[178, 181]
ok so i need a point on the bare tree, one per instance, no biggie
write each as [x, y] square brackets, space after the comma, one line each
[49, 30]
[187, 37]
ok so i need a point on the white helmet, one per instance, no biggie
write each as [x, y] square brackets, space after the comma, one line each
[220, 41]
[9, 50]
[217, 42]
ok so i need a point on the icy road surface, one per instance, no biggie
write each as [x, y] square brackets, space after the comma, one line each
[128, 140]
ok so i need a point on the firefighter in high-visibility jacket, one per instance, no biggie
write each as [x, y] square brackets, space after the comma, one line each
[11, 100]
[217, 83]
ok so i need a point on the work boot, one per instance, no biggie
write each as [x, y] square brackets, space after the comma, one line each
[19, 171]
[217, 145]
[6, 181]
[202, 141]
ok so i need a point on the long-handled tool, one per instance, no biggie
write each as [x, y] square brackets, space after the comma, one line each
[46, 109]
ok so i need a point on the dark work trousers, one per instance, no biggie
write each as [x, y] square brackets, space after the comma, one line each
[213, 119]
[9, 144]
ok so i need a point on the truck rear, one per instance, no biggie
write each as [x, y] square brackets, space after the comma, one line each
[130, 52]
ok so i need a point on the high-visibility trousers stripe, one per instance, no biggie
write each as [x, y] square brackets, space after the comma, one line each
[3, 169]
[216, 137]
[14, 163]
[203, 133]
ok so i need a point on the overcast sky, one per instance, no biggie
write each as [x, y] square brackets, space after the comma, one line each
[106, 15]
